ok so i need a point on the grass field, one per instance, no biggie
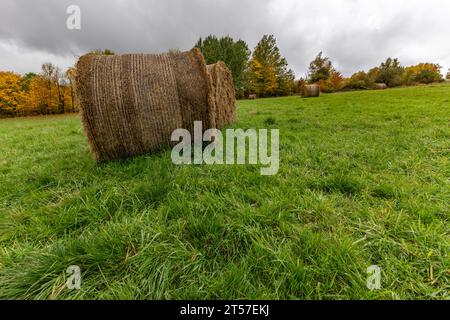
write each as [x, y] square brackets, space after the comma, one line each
[363, 180]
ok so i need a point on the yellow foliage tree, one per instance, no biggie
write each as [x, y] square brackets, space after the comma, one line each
[422, 73]
[70, 75]
[38, 95]
[11, 94]
[334, 83]
[263, 78]
[268, 71]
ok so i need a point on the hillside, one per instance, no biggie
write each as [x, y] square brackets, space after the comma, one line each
[363, 180]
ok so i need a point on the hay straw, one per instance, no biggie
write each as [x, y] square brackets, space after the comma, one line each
[223, 94]
[310, 90]
[379, 86]
[130, 104]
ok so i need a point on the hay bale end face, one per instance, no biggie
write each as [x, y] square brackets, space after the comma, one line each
[380, 86]
[223, 94]
[130, 104]
[310, 90]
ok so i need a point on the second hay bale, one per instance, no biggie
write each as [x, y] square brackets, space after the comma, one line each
[379, 86]
[223, 94]
[310, 90]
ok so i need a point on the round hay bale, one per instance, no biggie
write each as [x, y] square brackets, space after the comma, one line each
[130, 104]
[223, 94]
[252, 96]
[380, 86]
[310, 90]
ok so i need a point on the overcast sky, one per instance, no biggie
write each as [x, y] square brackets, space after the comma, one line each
[355, 34]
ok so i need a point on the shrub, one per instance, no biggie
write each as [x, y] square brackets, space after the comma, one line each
[359, 80]
[334, 83]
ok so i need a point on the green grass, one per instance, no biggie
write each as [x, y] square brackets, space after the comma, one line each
[363, 180]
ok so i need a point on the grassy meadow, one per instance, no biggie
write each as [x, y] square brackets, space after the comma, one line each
[363, 180]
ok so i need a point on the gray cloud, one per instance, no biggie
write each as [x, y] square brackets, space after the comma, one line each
[356, 34]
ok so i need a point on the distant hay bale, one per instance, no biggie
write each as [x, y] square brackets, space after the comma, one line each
[130, 104]
[310, 90]
[252, 96]
[223, 94]
[380, 86]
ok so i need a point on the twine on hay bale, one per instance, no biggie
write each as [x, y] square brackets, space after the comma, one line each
[223, 94]
[310, 90]
[380, 86]
[130, 104]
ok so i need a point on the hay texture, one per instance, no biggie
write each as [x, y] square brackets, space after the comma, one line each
[130, 104]
[310, 90]
[380, 86]
[223, 94]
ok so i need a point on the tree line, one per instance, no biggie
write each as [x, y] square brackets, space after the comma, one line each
[263, 72]
[391, 73]
[49, 92]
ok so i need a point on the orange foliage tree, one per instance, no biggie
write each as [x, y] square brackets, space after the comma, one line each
[49, 92]
[322, 72]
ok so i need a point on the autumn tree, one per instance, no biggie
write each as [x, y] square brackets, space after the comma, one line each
[70, 75]
[268, 70]
[38, 95]
[235, 54]
[56, 89]
[47, 74]
[423, 73]
[322, 72]
[26, 80]
[61, 85]
[12, 96]
[263, 78]
[44, 93]
[49, 92]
